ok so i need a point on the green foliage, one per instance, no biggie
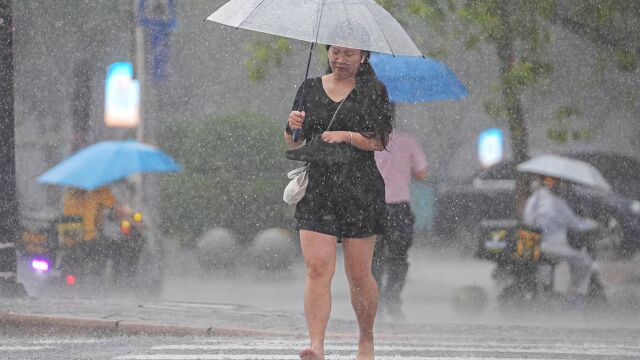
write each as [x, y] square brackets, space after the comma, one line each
[389, 5]
[234, 174]
[611, 24]
[519, 22]
[472, 42]
[264, 55]
[428, 10]
[626, 60]
[483, 20]
[563, 128]
[495, 109]
[438, 53]
[524, 74]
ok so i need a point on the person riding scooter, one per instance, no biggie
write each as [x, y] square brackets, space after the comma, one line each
[548, 211]
[86, 255]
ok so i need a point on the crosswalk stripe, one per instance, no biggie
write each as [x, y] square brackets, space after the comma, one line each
[234, 310]
[513, 349]
[503, 348]
[291, 357]
[4, 348]
[333, 344]
[66, 341]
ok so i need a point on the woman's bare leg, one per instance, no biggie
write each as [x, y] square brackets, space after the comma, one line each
[319, 252]
[358, 255]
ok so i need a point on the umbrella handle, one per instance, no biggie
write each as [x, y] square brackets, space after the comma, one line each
[296, 134]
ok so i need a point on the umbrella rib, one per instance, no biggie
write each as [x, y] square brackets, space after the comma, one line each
[368, 6]
[318, 23]
[249, 14]
[306, 75]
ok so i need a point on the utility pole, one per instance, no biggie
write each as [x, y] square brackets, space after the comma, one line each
[9, 222]
[139, 68]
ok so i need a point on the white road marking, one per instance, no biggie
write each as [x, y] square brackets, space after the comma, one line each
[23, 348]
[67, 341]
[492, 344]
[514, 348]
[283, 349]
[572, 349]
[292, 357]
[227, 311]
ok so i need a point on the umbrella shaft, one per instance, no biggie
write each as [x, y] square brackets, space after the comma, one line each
[306, 76]
[296, 132]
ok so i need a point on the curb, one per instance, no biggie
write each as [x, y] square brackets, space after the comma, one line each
[75, 325]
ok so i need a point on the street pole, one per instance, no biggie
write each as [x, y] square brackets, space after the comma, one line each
[139, 68]
[139, 75]
[9, 222]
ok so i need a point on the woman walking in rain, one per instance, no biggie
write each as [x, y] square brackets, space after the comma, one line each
[344, 200]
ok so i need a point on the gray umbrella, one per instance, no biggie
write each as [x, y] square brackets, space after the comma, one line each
[565, 168]
[358, 24]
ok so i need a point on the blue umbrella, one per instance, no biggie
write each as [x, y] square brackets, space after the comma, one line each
[108, 161]
[412, 79]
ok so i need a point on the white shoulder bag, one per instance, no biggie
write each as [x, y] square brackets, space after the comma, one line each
[295, 190]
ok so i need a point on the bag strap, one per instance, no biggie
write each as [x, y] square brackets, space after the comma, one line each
[339, 106]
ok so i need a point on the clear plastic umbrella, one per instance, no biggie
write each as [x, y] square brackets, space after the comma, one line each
[358, 24]
[565, 168]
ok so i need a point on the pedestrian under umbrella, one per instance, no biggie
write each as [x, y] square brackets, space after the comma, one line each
[349, 106]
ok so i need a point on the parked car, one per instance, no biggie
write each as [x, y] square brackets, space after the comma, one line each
[620, 215]
[489, 195]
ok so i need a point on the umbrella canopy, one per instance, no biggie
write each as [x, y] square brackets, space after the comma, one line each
[412, 80]
[108, 161]
[565, 168]
[359, 24]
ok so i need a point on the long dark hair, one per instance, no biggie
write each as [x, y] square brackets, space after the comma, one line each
[366, 79]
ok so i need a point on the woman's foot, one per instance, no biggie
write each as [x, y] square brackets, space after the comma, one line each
[309, 354]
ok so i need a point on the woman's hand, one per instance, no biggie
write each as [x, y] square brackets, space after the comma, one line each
[337, 136]
[296, 118]
[294, 123]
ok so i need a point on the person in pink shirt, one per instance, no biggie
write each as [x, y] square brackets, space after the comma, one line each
[403, 161]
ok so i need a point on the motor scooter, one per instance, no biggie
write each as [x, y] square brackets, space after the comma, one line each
[523, 275]
[53, 248]
[56, 253]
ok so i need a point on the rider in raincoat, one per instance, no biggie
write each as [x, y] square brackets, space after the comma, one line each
[549, 212]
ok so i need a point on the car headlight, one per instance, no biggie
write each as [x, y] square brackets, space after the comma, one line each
[635, 207]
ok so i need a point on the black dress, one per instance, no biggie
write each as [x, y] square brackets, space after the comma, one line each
[346, 199]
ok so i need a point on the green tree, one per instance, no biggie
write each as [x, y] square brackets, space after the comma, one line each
[234, 174]
[517, 31]
[614, 25]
